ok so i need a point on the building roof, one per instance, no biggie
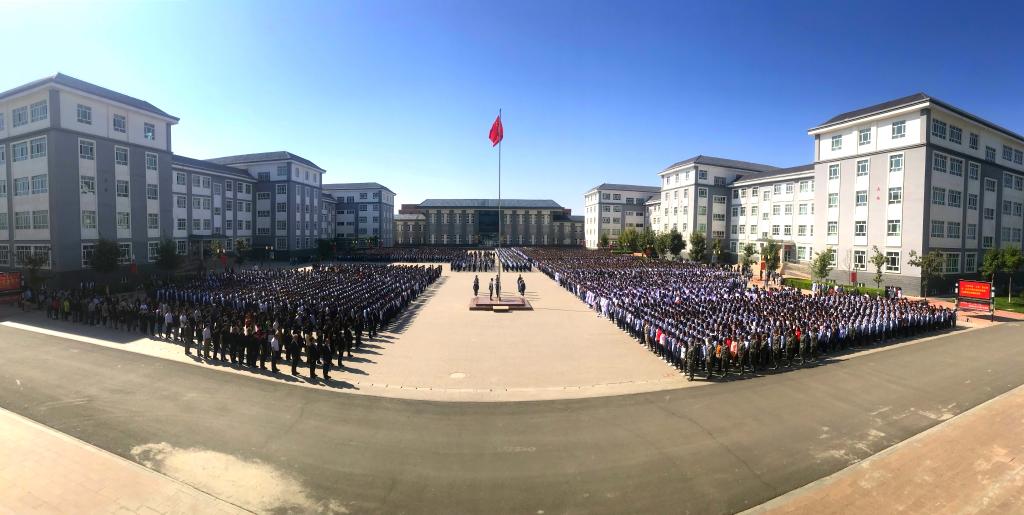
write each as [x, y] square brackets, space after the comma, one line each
[774, 173]
[413, 217]
[726, 163]
[262, 157]
[630, 187]
[899, 103]
[490, 203]
[92, 89]
[356, 186]
[326, 197]
[181, 160]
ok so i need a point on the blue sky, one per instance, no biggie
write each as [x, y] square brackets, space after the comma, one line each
[404, 92]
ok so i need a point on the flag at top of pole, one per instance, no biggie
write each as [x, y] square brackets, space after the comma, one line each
[497, 132]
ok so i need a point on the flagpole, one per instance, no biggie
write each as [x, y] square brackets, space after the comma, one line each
[500, 214]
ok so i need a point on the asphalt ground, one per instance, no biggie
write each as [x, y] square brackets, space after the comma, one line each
[718, 449]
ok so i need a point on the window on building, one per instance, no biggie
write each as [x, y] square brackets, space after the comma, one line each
[149, 131]
[19, 116]
[939, 129]
[971, 233]
[862, 167]
[860, 260]
[862, 198]
[40, 184]
[953, 230]
[952, 262]
[21, 186]
[1007, 153]
[122, 188]
[39, 111]
[120, 124]
[84, 114]
[37, 148]
[955, 134]
[953, 198]
[833, 228]
[970, 262]
[87, 184]
[990, 154]
[893, 227]
[864, 136]
[972, 141]
[896, 163]
[837, 142]
[120, 155]
[124, 220]
[892, 261]
[988, 213]
[124, 253]
[152, 191]
[88, 219]
[938, 229]
[939, 196]
[899, 129]
[152, 220]
[860, 228]
[939, 163]
[41, 219]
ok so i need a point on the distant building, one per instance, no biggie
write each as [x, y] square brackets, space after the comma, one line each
[364, 210]
[611, 208]
[475, 222]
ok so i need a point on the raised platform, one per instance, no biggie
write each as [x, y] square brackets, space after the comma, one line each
[507, 303]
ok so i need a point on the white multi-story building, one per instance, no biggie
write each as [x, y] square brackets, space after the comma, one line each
[695, 193]
[912, 174]
[777, 205]
[610, 209]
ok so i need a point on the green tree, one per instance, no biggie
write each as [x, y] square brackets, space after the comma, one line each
[770, 255]
[33, 264]
[105, 256]
[716, 249]
[931, 265]
[602, 241]
[242, 251]
[167, 258]
[698, 246]
[747, 258]
[878, 261]
[663, 245]
[647, 239]
[1011, 263]
[324, 249]
[992, 264]
[822, 264]
[629, 240]
[676, 242]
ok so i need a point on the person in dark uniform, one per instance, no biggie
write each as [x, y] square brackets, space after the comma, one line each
[326, 353]
[293, 351]
[476, 286]
[312, 354]
[490, 287]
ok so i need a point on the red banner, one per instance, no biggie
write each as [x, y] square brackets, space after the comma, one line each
[10, 281]
[963, 304]
[978, 290]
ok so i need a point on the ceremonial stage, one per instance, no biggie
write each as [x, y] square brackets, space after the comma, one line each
[509, 303]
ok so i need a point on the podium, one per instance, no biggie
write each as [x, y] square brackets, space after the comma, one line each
[507, 303]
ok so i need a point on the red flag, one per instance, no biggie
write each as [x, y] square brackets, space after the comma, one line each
[497, 133]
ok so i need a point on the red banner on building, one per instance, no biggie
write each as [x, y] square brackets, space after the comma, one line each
[10, 281]
[976, 290]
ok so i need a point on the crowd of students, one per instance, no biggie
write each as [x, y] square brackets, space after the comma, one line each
[680, 307]
[250, 316]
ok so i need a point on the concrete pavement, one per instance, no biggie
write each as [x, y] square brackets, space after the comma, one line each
[717, 449]
[973, 463]
[43, 471]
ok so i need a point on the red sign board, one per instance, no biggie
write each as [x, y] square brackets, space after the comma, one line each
[978, 290]
[964, 304]
[10, 281]
[853, 277]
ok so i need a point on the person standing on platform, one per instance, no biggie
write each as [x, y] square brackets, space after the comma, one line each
[312, 355]
[476, 285]
[497, 287]
[491, 288]
[275, 350]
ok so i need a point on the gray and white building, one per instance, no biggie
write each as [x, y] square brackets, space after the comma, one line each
[476, 222]
[128, 187]
[364, 210]
[79, 163]
[610, 209]
[287, 190]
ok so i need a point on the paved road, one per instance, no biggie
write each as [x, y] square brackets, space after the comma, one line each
[701, 450]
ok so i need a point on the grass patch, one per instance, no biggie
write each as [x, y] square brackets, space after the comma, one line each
[1016, 304]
